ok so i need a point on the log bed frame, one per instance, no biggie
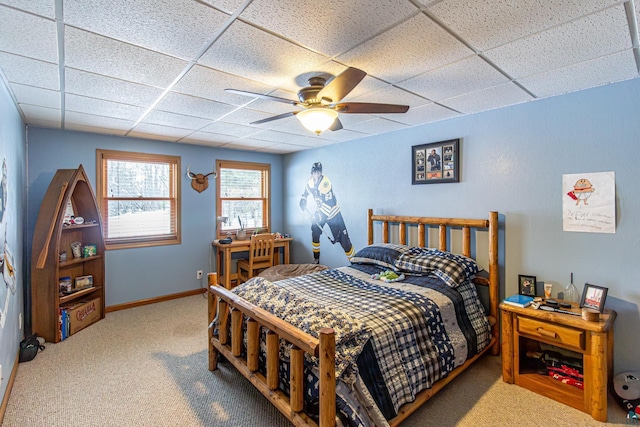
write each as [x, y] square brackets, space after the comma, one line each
[225, 304]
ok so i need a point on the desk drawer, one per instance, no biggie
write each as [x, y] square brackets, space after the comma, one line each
[566, 336]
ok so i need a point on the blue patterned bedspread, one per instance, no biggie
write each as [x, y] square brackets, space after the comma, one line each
[418, 330]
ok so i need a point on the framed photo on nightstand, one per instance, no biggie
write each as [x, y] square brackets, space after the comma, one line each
[593, 297]
[526, 285]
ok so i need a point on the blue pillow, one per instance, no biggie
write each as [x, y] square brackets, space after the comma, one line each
[454, 269]
[382, 254]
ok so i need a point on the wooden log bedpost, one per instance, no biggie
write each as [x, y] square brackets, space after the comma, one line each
[212, 280]
[327, 377]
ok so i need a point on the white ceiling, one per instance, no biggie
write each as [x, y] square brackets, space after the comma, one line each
[158, 68]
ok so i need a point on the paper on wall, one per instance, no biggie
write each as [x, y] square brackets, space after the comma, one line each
[589, 202]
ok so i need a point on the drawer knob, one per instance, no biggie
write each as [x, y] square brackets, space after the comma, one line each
[545, 333]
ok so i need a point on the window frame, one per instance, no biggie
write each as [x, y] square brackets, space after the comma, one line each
[172, 238]
[265, 169]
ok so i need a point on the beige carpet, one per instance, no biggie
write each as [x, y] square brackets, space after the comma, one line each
[148, 366]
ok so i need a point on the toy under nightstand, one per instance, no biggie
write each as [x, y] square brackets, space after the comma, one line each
[592, 341]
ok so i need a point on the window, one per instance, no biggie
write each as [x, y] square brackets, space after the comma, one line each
[139, 198]
[243, 196]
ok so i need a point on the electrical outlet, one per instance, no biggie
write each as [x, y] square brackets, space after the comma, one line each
[199, 274]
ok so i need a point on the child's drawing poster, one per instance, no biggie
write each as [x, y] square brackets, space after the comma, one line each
[589, 202]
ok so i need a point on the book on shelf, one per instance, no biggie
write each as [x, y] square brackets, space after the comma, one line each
[519, 300]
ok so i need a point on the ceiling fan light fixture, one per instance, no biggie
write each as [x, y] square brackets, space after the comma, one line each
[317, 119]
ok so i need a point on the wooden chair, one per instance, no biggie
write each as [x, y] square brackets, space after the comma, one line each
[260, 257]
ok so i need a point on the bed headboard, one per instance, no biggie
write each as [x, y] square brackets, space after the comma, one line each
[444, 226]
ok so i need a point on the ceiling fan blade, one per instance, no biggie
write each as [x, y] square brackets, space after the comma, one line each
[367, 107]
[278, 117]
[337, 124]
[259, 95]
[341, 85]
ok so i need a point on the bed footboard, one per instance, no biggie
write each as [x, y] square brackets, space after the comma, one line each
[223, 305]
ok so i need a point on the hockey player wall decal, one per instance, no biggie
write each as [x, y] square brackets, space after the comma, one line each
[327, 211]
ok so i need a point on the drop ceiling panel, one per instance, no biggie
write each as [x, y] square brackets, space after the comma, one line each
[491, 23]
[246, 116]
[424, 114]
[193, 106]
[283, 149]
[254, 54]
[36, 96]
[110, 89]
[230, 129]
[581, 40]
[110, 125]
[181, 121]
[28, 35]
[208, 138]
[163, 133]
[607, 69]
[487, 99]
[274, 107]
[392, 95]
[31, 72]
[228, 6]
[208, 83]
[90, 52]
[414, 46]
[377, 126]
[340, 136]
[327, 27]
[103, 108]
[44, 8]
[179, 28]
[252, 144]
[38, 114]
[275, 136]
[464, 76]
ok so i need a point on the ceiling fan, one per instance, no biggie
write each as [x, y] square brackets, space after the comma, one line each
[321, 104]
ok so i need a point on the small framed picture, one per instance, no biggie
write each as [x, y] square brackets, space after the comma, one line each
[89, 251]
[526, 285]
[593, 297]
[436, 162]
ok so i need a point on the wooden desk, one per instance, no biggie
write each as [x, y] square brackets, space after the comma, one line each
[224, 251]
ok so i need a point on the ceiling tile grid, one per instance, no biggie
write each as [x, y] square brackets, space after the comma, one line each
[110, 89]
[577, 41]
[45, 8]
[180, 28]
[31, 72]
[28, 35]
[36, 96]
[329, 27]
[410, 48]
[101, 55]
[158, 69]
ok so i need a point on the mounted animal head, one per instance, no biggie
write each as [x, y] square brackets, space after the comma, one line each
[199, 181]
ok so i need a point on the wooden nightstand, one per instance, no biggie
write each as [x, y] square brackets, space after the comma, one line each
[523, 328]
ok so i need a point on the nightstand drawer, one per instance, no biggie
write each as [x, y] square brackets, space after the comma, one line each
[568, 337]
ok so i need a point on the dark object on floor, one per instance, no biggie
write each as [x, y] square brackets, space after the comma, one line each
[29, 348]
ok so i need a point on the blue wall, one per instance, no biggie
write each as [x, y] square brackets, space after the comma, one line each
[13, 151]
[512, 161]
[142, 273]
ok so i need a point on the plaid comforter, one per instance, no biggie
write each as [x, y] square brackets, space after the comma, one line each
[418, 330]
